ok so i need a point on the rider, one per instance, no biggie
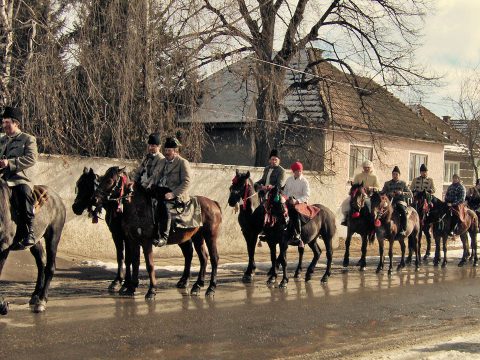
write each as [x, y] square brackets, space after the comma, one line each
[398, 191]
[455, 198]
[172, 172]
[18, 152]
[148, 165]
[473, 197]
[273, 174]
[422, 182]
[370, 182]
[297, 189]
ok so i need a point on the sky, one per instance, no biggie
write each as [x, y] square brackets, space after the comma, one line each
[451, 49]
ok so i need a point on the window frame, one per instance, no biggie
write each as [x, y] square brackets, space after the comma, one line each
[415, 168]
[450, 162]
[352, 148]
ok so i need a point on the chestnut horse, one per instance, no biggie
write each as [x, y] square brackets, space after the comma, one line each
[386, 228]
[139, 229]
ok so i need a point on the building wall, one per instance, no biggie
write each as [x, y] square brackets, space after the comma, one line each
[467, 174]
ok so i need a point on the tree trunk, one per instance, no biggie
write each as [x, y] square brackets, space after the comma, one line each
[6, 43]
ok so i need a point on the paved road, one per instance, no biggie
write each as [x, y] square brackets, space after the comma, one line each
[355, 315]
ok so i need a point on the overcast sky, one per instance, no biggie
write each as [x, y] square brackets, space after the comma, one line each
[451, 48]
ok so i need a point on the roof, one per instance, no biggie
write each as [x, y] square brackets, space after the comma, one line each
[332, 102]
[459, 125]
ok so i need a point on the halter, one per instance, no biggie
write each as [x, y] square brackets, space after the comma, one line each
[245, 196]
[120, 187]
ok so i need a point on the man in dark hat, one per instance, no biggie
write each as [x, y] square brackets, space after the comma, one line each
[18, 153]
[398, 191]
[423, 182]
[148, 165]
[172, 172]
[273, 174]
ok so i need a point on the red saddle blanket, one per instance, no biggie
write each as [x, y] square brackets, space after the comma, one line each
[308, 211]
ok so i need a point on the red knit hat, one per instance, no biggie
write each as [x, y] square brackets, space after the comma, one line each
[296, 166]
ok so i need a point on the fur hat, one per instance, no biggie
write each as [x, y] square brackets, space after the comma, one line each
[154, 139]
[274, 152]
[297, 166]
[423, 167]
[171, 143]
[367, 163]
[396, 169]
[12, 113]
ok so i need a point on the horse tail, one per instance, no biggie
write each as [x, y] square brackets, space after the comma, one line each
[218, 205]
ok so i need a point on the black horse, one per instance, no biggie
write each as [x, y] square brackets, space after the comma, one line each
[85, 200]
[49, 222]
[321, 225]
[360, 221]
[243, 196]
[441, 217]
[421, 203]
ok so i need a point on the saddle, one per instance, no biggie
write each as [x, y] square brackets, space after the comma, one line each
[40, 196]
[306, 212]
[186, 215]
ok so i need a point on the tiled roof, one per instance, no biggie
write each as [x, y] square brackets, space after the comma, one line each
[460, 125]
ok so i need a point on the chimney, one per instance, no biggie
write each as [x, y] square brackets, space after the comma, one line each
[446, 118]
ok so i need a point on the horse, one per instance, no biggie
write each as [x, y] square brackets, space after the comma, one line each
[139, 228]
[421, 204]
[321, 225]
[48, 223]
[242, 190]
[359, 220]
[85, 189]
[440, 216]
[386, 227]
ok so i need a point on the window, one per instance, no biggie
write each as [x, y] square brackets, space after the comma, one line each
[451, 167]
[416, 160]
[358, 154]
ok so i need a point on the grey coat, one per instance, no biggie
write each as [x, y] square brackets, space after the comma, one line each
[147, 168]
[21, 152]
[176, 176]
[278, 177]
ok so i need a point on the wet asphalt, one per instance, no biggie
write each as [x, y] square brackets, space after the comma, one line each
[356, 313]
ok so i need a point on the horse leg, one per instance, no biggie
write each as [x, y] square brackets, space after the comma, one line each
[444, 241]
[381, 246]
[316, 255]
[346, 257]
[363, 259]
[3, 303]
[149, 265]
[119, 242]
[211, 241]
[187, 251]
[52, 238]
[201, 251]
[251, 245]
[390, 256]
[129, 243]
[132, 285]
[436, 259]
[39, 254]
[298, 271]
[283, 261]
[411, 249]
[273, 258]
[426, 231]
[402, 260]
[327, 240]
[473, 236]
[465, 254]
[417, 240]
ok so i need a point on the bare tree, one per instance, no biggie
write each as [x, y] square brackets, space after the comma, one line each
[6, 43]
[377, 36]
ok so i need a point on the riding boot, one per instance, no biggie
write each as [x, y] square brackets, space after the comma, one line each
[163, 225]
[297, 229]
[25, 202]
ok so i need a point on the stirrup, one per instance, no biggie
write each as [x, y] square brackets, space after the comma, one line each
[159, 242]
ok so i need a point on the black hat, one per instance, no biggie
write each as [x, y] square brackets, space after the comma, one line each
[171, 143]
[274, 152]
[12, 113]
[154, 139]
[396, 169]
[423, 167]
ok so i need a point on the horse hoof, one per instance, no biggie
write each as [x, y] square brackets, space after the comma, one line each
[389, 272]
[359, 263]
[283, 284]
[210, 291]
[297, 274]
[444, 265]
[182, 284]
[475, 264]
[461, 263]
[40, 307]
[127, 291]
[363, 268]
[324, 279]
[150, 295]
[114, 286]
[346, 262]
[379, 269]
[308, 276]
[195, 291]
[408, 262]
[3, 307]
[34, 300]
[247, 278]
[271, 280]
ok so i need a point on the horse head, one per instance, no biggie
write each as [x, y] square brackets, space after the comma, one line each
[85, 189]
[358, 196]
[241, 187]
[110, 184]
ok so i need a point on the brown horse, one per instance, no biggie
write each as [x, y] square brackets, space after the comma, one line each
[139, 229]
[386, 228]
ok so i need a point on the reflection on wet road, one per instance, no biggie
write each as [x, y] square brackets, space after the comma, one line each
[355, 313]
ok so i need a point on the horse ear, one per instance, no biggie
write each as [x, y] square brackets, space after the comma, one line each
[237, 173]
[248, 175]
[122, 169]
[91, 172]
[85, 170]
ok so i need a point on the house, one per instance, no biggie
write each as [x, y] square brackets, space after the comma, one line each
[456, 153]
[332, 125]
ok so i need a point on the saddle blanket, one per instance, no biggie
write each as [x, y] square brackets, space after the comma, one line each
[307, 211]
[40, 196]
[186, 215]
